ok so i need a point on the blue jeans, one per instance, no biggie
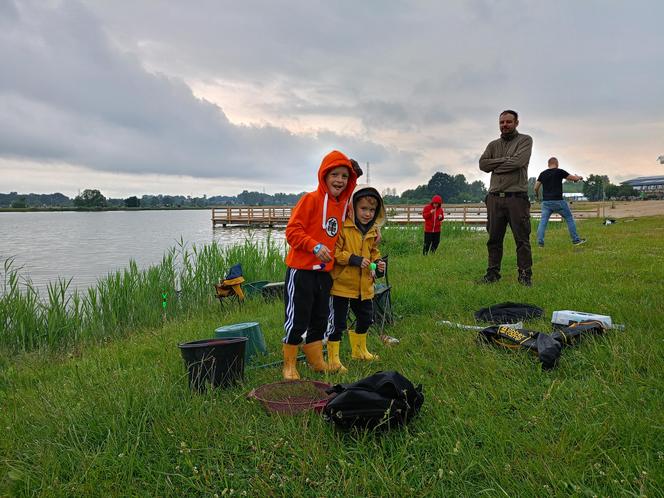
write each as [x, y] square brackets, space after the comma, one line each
[560, 207]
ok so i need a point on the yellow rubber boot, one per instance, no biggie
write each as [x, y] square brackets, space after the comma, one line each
[358, 344]
[314, 354]
[290, 362]
[333, 361]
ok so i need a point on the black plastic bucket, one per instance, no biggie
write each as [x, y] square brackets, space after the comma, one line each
[217, 361]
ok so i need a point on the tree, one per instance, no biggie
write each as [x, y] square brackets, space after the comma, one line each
[594, 187]
[477, 191]
[419, 194]
[90, 198]
[19, 203]
[132, 202]
[616, 191]
[447, 186]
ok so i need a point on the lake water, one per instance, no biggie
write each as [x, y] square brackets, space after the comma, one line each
[88, 245]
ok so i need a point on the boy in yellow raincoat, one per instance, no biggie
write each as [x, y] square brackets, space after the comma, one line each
[353, 277]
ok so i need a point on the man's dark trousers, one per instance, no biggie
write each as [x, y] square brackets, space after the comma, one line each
[514, 210]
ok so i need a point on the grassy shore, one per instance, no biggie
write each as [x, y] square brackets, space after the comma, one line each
[114, 417]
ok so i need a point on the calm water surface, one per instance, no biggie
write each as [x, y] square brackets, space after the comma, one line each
[86, 246]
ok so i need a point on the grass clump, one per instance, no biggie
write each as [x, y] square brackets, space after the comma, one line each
[118, 418]
[125, 299]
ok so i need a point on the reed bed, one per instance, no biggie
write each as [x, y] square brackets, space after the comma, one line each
[126, 299]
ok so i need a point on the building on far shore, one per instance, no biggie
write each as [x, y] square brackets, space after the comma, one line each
[574, 196]
[647, 186]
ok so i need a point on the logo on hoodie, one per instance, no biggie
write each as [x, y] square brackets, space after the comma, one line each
[331, 227]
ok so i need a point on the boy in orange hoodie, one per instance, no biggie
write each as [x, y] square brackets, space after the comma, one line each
[312, 233]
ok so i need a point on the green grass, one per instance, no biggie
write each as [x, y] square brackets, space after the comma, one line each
[116, 417]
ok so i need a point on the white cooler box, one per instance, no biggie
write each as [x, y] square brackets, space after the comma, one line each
[566, 317]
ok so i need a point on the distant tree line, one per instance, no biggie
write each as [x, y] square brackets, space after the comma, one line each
[94, 199]
[453, 189]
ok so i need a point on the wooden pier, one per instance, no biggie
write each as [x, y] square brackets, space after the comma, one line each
[278, 216]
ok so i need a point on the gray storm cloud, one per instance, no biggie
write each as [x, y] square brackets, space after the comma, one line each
[411, 87]
[73, 96]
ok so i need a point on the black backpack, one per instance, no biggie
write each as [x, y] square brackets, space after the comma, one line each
[382, 400]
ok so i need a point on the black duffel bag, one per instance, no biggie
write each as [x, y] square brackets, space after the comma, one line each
[381, 401]
[540, 344]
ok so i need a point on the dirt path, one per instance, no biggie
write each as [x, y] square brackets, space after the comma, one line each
[625, 209]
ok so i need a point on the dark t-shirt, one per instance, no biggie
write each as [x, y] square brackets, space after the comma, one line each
[552, 183]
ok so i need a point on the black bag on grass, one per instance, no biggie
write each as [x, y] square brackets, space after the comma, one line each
[572, 334]
[382, 400]
[508, 313]
[540, 344]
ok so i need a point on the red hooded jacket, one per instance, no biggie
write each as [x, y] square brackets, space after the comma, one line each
[318, 217]
[433, 217]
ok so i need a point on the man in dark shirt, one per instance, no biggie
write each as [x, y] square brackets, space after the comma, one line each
[552, 181]
[507, 203]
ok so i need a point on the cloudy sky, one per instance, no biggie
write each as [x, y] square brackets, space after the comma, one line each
[214, 97]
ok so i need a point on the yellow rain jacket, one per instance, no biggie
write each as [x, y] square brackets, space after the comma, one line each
[352, 281]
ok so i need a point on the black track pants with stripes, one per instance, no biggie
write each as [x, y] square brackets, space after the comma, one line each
[363, 311]
[307, 302]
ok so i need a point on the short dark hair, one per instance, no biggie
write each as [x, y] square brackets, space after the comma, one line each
[553, 159]
[510, 111]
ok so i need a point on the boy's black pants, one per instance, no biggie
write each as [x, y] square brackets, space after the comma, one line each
[363, 311]
[431, 241]
[307, 303]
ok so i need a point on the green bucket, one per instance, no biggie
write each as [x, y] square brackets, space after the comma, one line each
[254, 288]
[250, 330]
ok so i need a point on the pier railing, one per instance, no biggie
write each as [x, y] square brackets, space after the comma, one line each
[275, 216]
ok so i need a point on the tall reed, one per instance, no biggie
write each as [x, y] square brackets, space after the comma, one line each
[130, 298]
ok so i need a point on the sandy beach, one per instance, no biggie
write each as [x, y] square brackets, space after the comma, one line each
[625, 209]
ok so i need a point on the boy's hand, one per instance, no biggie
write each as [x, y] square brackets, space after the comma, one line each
[381, 266]
[365, 263]
[324, 254]
[356, 167]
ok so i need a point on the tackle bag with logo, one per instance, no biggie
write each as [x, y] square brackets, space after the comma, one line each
[540, 344]
[572, 334]
[382, 400]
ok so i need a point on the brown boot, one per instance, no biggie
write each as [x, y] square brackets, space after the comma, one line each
[290, 362]
[314, 354]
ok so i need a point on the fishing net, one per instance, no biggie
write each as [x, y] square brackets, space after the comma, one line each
[291, 396]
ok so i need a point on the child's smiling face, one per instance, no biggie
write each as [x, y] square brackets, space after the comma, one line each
[336, 180]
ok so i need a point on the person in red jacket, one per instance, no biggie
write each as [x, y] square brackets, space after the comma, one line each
[312, 232]
[433, 215]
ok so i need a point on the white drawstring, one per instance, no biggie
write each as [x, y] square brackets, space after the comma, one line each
[325, 212]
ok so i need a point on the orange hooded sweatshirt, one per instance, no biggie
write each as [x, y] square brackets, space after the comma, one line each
[318, 217]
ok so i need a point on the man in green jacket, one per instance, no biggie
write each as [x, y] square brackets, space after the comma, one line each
[507, 202]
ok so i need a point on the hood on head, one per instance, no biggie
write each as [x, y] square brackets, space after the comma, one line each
[331, 161]
[436, 199]
[368, 191]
